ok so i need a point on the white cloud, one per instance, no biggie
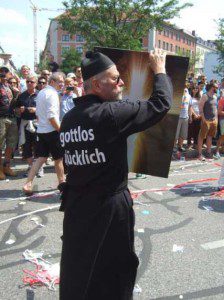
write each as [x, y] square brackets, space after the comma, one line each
[10, 16]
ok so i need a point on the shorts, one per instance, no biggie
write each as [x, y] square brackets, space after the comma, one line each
[49, 143]
[221, 126]
[29, 148]
[8, 132]
[208, 128]
[182, 129]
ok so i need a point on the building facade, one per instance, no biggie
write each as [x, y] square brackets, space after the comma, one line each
[171, 39]
[58, 41]
[203, 51]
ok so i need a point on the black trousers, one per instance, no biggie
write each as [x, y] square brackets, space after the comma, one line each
[98, 260]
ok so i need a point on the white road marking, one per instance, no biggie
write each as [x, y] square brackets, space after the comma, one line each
[213, 245]
[30, 213]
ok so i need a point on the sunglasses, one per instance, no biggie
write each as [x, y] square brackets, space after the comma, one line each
[118, 79]
[12, 82]
[41, 82]
[29, 81]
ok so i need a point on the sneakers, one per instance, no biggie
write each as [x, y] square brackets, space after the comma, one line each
[201, 158]
[40, 173]
[48, 161]
[208, 154]
[217, 155]
[2, 175]
[140, 176]
[9, 172]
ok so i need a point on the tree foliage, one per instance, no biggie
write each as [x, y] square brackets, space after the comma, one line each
[44, 61]
[220, 48]
[117, 23]
[71, 58]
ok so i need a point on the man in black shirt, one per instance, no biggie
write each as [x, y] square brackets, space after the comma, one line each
[26, 105]
[98, 259]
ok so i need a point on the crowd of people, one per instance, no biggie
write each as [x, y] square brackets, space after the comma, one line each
[89, 144]
[201, 119]
[200, 124]
[19, 120]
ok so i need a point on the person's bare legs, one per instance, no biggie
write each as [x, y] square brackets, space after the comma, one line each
[200, 143]
[29, 161]
[8, 155]
[219, 143]
[27, 188]
[209, 144]
[59, 169]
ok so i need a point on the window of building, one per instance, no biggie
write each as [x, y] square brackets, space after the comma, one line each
[159, 44]
[183, 39]
[183, 51]
[167, 46]
[171, 35]
[79, 49]
[167, 33]
[190, 42]
[79, 38]
[171, 47]
[176, 36]
[164, 45]
[64, 49]
[65, 37]
[176, 49]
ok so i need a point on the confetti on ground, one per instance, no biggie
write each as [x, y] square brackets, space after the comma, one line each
[177, 248]
[45, 273]
[10, 242]
[159, 193]
[146, 212]
[141, 230]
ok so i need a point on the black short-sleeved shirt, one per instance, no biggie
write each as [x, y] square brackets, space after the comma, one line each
[94, 137]
[27, 100]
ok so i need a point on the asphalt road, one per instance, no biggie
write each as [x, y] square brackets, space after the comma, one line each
[179, 233]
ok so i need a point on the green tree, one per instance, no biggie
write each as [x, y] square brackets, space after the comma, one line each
[43, 62]
[117, 23]
[220, 48]
[71, 58]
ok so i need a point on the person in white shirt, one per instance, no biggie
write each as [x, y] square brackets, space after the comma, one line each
[47, 112]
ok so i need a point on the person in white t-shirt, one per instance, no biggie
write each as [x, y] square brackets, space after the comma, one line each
[194, 118]
[47, 112]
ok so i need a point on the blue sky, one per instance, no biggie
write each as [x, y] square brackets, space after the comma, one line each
[16, 28]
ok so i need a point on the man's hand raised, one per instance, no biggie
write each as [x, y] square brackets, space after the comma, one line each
[157, 60]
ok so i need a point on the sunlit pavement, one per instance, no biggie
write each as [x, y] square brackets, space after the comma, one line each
[179, 232]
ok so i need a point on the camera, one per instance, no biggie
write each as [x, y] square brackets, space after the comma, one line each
[70, 88]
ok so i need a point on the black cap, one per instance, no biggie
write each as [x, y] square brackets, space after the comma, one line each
[94, 63]
[4, 69]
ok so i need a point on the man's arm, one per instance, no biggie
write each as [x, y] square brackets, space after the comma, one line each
[201, 106]
[220, 108]
[54, 123]
[52, 111]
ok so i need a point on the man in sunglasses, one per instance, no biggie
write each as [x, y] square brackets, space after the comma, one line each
[98, 259]
[42, 82]
[26, 108]
[48, 143]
